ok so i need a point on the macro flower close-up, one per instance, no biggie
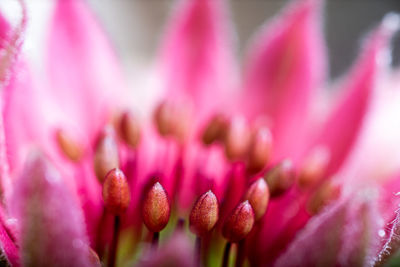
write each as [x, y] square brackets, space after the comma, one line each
[195, 156]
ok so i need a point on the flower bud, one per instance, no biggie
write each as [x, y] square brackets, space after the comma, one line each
[156, 208]
[237, 139]
[313, 167]
[280, 178]
[260, 149]
[69, 146]
[106, 155]
[215, 130]
[163, 118]
[204, 214]
[129, 129]
[94, 258]
[239, 224]
[258, 196]
[324, 195]
[116, 194]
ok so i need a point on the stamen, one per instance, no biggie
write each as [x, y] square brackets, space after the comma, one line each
[116, 194]
[237, 140]
[314, 167]
[129, 129]
[260, 149]
[204, 214]
[324, 195]
[156, 208]
[163, 117]
[239, 224]
[215, 130]
[280, 178]
[106, 155]
[258, 196]
[69, 146]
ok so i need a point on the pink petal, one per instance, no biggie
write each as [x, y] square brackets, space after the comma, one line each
[85, 78]
[196, 56]
[51, 225]
[286, 64]
[343, 126]
[344, 234]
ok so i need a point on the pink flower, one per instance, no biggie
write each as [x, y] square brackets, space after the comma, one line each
[250, 161]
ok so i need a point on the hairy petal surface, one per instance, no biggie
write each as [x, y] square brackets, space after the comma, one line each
[346, 231]
[196, 59]
[286, 64]
[51, 225]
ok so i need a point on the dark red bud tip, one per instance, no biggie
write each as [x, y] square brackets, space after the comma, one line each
[237, 139]
[258, 196]
[280, 178]
[106, 155]
[239, 224]
[70, 148]
[129, 129]
[156, 208]
[94, 258]
[260, 149]
[215, 130]
[116, 194]
[204, 214]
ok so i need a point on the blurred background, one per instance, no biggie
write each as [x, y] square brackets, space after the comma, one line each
[136, 26]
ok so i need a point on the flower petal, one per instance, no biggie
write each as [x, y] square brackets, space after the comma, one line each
[286, 64]
[196, 57]
[85, 78]
[343, 126]
[51, 225]
[346, 231]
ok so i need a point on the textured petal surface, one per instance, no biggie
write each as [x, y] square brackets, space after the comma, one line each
[286, 64]
[51, 225]
[346, 232]
[196, 57]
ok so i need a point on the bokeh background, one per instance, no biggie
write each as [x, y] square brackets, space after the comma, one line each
[136, 26]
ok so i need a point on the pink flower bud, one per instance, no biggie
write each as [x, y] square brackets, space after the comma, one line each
[258, 196]
[129, 129]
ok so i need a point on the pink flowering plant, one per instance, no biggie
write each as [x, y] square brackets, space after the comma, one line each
[263, 168]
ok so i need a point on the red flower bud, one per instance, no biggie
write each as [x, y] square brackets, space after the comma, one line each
[260, 149]
[129, 129]
[239, 224]
[215, 130]
[116, 194]
[106, 155]
[156, 208]
[258, 196]
[204, 214]
[280, 178]
[69, 146]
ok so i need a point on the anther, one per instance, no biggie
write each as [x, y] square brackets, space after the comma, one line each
[204, 214]
[215, 130]
[258, 196]
[129, 129]
[260, 149]
[313, 167]
[280, 178]
[106, 155]
[239, 224]
[156, 208]
[70, 147]
[116, 194]
[237, 139]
